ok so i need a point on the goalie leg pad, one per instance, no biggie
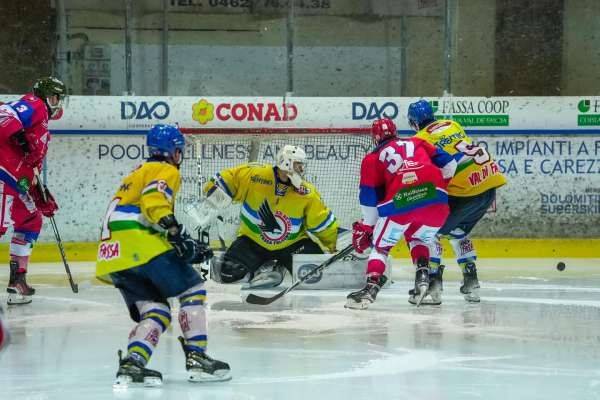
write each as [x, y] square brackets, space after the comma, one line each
[231, 271]
[242, 258]
[268, 275]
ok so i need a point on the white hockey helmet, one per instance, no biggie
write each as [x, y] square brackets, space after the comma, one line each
[291, 160]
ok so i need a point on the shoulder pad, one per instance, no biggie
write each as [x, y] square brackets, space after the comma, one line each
[31, 110]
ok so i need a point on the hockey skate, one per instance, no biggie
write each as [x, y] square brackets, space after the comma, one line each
[18, 290]
[269, 275]
[361, 299]
[421, 282]
[202, 368]
[434, 292]
[470, 284]
[133, 371]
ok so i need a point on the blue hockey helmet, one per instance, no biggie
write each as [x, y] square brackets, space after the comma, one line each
[163, 140]
[420, 114]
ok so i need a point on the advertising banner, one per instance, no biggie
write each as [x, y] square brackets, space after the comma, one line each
[548, 148]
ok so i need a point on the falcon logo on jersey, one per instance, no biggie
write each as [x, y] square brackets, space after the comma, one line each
[275, 228]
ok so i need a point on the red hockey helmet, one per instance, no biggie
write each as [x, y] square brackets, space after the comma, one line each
[383, 129]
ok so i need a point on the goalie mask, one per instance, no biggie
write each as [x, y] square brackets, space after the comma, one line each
[290, 159]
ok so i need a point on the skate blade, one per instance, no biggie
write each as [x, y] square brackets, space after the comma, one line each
[353, 305]
[16, 298]
[220, 375]
[125, 381]
[427, 301]
[422, 293]
[472, 297]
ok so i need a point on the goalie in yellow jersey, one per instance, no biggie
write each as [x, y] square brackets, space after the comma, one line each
[471, 192]
[278, 210]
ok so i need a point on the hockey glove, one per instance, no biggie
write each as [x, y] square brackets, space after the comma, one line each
[362, 236]
[187, 248]
[203, 253]
[34, 154]
[43, 201]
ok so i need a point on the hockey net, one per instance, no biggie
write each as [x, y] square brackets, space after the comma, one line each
[332, 166]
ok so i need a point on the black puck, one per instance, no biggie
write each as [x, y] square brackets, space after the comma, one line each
[561, 266]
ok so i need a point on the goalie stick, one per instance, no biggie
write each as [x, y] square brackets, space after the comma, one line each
[61, 249]
[220, 223]
[254, 299]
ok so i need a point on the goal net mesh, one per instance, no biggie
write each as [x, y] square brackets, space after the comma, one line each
[332, 166]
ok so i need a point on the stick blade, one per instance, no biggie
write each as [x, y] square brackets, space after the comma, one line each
[263, 301]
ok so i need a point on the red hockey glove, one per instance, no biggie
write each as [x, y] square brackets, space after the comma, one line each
[49, 207]
[362, 236]
[33, 152]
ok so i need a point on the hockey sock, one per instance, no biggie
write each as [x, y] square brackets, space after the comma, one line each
[435, 255]
[22, 262]
[376, 264]
[155, 319]
[463, 251]
[21, 246]
[418, 249]
[192, 318]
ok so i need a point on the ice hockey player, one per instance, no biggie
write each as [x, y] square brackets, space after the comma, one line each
[4, 333]
[24, 138]
[278, 209]
[148, 256]
[402, 194]
[471, 191]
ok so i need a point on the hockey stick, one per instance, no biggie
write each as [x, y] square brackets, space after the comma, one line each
[220, 223]
[254, 299]
[61, 249]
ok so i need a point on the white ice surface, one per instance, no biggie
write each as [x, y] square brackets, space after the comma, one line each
[535, 335]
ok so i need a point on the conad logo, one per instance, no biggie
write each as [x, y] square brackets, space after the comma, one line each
[203, 112]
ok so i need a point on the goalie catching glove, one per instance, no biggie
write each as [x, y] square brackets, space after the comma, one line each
[187, 248]
[44, 201]
[362, 236]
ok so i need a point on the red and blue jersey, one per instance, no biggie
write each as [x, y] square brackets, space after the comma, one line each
[29, 113]
[402, 175]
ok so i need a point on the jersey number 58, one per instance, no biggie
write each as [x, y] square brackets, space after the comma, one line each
[478, 153]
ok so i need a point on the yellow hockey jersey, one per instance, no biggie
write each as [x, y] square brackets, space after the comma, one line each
[476, 172]
[130, 234]
[275, 215]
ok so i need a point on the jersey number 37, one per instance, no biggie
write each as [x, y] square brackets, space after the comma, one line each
[389, 155]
